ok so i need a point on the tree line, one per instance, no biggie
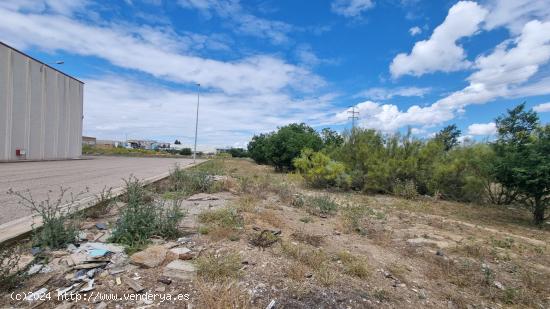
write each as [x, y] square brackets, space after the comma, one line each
[514, 168]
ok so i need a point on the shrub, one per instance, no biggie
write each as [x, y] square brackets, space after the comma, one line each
[353, 265]
[320, 171]
[59, 224]
[190, 181]
[144, 217]
[321, 205]
[10, 275]
[352, 216]
[405, 189]
[185, 152]
[103, 203]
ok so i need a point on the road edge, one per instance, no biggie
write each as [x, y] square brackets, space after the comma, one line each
[18, 228]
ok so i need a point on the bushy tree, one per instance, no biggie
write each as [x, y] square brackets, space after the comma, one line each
[319, 170]
[449, 136]
[258, 148]
[238, 152]
[331, 138]
[185, 151]
[281, 147]
[522, 158]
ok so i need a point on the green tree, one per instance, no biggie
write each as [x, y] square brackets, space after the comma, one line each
[522, 158]
[287, 143]
[331, 138]
[449, 136]
[258, 148]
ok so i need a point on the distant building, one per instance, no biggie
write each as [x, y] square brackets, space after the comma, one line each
[88, 140]
[108, 144]
[40, 109]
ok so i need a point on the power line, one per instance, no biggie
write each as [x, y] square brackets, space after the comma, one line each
[354, 116]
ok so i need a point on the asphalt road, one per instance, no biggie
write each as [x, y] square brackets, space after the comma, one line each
[94, 173]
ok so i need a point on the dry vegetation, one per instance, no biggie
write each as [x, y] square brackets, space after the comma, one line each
[346, 249]
[267, 237]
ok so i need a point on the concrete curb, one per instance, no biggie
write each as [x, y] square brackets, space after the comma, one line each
[20, 227]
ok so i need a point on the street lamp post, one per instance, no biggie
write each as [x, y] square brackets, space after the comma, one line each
[197, 123]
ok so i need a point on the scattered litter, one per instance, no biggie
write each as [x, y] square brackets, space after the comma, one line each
[134, 285]
[115, 271]
[271, 304]
[118, 281]
[64, 291]
[36, 250]
[89, 286]
[34, 269]
[160, 289]
[499, 285]
[90, 265]
[98, 252]
[165, 280]
[82, 236]
[203, 197]
[101, 226]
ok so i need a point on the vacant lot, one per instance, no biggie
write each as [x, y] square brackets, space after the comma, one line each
[94, 173]
[258, 236]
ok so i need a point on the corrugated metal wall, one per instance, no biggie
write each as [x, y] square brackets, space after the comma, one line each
[40, 110]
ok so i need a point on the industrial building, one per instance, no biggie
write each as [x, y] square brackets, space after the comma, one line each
[41, 109]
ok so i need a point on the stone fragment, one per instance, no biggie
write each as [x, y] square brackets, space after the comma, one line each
[179, 269]
[134, 285]
[150, 257]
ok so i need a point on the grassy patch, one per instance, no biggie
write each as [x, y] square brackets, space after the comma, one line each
[354, 265]
[321, 205]
[221, 223]
[304, 254]
[222, 295]
[216, 267]
[325, 275]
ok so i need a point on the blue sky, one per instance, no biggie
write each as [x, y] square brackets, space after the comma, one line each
[262, 64]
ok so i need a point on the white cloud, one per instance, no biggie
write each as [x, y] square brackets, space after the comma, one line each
[127, 47]
[415, 30]
[482, 129]
[542, 108]
[513, 14]
[388, 118]
[241, 20]
[351, 8]
[65, 7]
[379, 93]
[504, 73]
[441, 52]
[115, 106]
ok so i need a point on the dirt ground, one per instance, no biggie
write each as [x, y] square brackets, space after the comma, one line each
[370, 252]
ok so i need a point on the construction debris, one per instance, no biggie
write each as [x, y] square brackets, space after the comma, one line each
[150, 257]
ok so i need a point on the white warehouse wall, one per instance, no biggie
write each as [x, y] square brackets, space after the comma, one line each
[40, 110]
